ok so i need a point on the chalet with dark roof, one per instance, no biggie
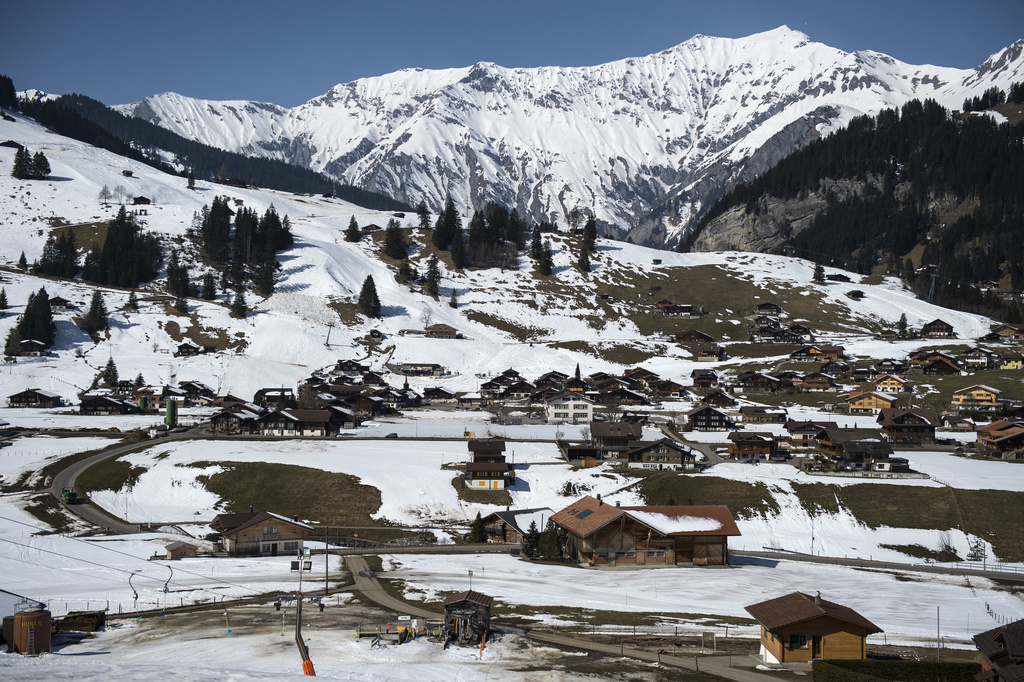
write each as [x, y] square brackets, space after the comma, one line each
[751, 446]
[718, 398]
[937, 329]
[707, 418]
[704, 378]
[260, 532]
[798, 627]
[601, 534]
[1002, 653]
[908, 426]
[615, 434]
[34, 397]
[694, 336]
[711, 353]
[759, 414]
[855, 449]
[661, 455]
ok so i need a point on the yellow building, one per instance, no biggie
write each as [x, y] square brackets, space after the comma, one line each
[890, 383]
[977, 397]
[870, 402]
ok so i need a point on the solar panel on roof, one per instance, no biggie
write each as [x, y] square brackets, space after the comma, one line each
[584, 514]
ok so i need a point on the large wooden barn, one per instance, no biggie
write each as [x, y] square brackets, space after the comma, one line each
[604, 534]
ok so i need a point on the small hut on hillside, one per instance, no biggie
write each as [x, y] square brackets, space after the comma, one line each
[467, 617]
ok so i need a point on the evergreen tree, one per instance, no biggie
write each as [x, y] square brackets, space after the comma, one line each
[546, 262]
[22, 262]
[901, 325]
[352, 233]
[133, 301]
[819, 273]
[265, 279]
[140, 381]
[180, 305]
[536, 246]
[8, 95]
[369, 303]
[577, 375]
[96, 318]
[238, 306]
[531, 541]
[22, 168]
[191, 180]
[12, 345]
[109, 374]
[40, 166]
[394, 242]
[209, 287]
[477, 532]
[37, 320]
[453, 301]
[590, 235]
[424, 215]
[458, 249]
[583, 261]
[433, 276]
[3, 299]
[549, 545]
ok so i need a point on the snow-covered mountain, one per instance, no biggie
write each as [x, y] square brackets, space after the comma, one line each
[668, 131]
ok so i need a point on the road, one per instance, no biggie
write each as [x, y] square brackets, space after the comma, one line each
[68, 478]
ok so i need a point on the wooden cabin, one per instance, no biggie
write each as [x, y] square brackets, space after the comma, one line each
[798, 628]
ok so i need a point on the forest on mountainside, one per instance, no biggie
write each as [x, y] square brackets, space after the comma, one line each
[92, 122]
[911, 163]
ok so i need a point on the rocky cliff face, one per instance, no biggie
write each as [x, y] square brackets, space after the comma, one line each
[644, 144]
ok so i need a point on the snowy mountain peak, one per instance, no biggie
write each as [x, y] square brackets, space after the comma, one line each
[644, 143]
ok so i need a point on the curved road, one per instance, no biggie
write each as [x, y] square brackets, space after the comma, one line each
[68, 477]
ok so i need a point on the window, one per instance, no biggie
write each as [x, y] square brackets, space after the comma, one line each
[270, 530]
[291, 546]
[797, 641]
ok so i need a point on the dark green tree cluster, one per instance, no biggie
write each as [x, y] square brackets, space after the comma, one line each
[8, 95]
[927, 153]
[127, 257]
[588, 246]
[546, 259]
[352, 232]
[433, 280]
[28, 166]
[995, 96]
[36, 324]
[178, 282]
[549, 544]
[60, 256]
[448, 223]
[110, 375]
[395, 245]
[495, 237]
[95, 319]
[369, 303]
[90, 121]
[477, 532]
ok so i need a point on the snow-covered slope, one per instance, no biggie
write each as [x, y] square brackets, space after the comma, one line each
[509, 318]
[616, 140]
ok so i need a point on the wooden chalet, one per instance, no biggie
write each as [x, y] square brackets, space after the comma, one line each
[615, 434]
[1009, 333]
[940, 367]
[441, 331]
[294, 422]
[818, 353]
[890, 383]
[350, 368]
[666, 388]
[869, 402]
[908, 426]
[31, 348]
[751, 446]
[643, 377]
[187, 349]
[105, 405]
[979, 358]
[803, 433]
[855, 449]
[711, 353]
[937, 329]
[768, 308]
[759, 414]
[976, 398]
[816, 382]
[608, 535]
[1001, 652]
[678, 310]
[239, 418]
[707, 418]
[421, 369]
[274, 398]
[704, 378]
[798, 627]
[661, 455]
[512, 525]
[890, 366]
[260, 532]
[34, 397]
[757, 383]
[180, 550]
[1008, 359]
[551, 380]
[693, 336]
[1003, 439]
[486, 449]
[438, 394]
[718, 398]
[623, 396]
[60, 305]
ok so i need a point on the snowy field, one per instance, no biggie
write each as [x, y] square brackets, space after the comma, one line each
[881, 596]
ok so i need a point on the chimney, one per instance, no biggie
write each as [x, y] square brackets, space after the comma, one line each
[817, 599]
[250, 509]
[618, 503]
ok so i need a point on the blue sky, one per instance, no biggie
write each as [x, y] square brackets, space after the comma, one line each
[289, 52]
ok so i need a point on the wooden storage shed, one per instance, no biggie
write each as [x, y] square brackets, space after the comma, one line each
[467, 617]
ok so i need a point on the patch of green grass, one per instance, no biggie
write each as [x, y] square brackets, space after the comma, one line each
[743, 499]
[337, 499]
[521, 334]
[524, 615]
[917, 551]
[47, 509]
[817, 498]
[110, 474]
